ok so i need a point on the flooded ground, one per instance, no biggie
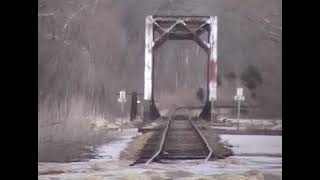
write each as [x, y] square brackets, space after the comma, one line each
[112, 150]
[256, 157]
[75, 151]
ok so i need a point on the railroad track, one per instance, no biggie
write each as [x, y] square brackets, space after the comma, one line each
[179, 139]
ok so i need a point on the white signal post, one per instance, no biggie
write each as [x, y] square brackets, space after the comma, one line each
[122, 99]
[239, 97]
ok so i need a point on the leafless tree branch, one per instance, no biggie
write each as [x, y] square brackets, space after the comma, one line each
[95, 6]
[47, 14]
[74, 15]
[276, 34]
[266, 20]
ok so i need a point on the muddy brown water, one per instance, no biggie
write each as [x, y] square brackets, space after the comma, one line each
[64, 152]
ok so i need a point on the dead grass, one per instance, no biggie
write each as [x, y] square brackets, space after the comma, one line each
[66, 129]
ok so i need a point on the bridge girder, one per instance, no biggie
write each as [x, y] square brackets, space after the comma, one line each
[180, 28]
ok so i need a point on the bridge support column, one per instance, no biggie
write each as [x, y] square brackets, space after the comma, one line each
[207, 113]
[150, 111]
[212, 71]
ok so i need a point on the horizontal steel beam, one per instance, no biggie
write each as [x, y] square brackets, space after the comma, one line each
[180, 36]
[179, 30]
[192, 25]
[184, 18]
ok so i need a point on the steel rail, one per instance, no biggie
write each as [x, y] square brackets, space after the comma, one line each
[165, 132]
[164, 135]
[203, 139]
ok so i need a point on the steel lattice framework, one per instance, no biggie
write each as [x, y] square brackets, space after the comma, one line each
[180, 28]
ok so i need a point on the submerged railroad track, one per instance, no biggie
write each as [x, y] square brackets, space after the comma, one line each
[179, 139]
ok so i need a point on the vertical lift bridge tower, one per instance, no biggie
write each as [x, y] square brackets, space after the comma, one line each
[180, 28]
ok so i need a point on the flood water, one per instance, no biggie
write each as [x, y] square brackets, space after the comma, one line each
[64, 152]
[252, 153]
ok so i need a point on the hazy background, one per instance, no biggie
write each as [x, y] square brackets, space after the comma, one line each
[88, 50]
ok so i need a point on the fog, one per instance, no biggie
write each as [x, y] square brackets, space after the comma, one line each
[88, 50]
